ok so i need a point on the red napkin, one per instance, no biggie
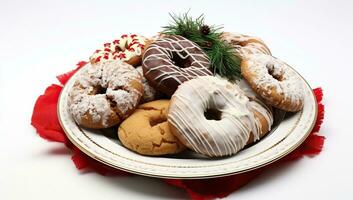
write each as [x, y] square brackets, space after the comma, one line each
[45, 121]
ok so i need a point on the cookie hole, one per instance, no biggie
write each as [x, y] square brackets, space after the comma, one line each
[101, 90]
[154, 122]
[179, 61]
[271, 70]
[213, 114]
[119, 87]
[111, 103]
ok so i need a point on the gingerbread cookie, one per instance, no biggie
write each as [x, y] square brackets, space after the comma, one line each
[147, 131]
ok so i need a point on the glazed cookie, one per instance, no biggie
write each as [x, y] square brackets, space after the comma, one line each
[128, 48]
[171, 60]
[212, 116]
[147, 131]
[263, 113]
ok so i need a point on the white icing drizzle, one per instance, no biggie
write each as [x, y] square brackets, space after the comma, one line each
[115, 76]
[123, 48]
[245, 45]
[149, 91]
[212, 137]
[158, 58]
[289, 86]
[257, 104]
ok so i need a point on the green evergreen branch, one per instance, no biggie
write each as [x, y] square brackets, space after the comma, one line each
[222, 57]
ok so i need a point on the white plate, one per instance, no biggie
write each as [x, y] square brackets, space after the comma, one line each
[105, 147]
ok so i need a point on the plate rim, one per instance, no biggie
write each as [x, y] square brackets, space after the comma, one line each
[285, 153]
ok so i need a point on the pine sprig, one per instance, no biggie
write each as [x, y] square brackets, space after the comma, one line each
[223, 60]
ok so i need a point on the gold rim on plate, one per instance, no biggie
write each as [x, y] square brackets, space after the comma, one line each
[122, 159]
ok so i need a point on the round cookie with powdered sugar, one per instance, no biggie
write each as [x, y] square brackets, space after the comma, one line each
[274, 81]
[105, 93]
[246, 45]
[172, 60]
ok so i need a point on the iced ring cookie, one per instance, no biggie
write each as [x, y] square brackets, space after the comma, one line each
[212, 116]
[171, 60]
[128, 48]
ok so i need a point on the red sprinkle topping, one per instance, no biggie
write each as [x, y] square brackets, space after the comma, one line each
[98, 58]
[131, 49]
[107, 49]
[124, 36]
[133, 35]
[141, 46]
[116, 41]
[107, 44]
[97, 51]
[132, 43]
[122, 55]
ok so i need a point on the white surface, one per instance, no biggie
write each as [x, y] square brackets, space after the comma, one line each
[40, 39]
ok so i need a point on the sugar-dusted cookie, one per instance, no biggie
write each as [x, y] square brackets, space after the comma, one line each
[246, 45]
[273, 80]
[104, 94]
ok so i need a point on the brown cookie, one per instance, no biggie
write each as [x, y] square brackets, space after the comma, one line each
[171, 60]
[147, 131]
[274, 81]
[104, 94]
[245, 45]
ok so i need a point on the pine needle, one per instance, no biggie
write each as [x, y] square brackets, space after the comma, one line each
[222, 57]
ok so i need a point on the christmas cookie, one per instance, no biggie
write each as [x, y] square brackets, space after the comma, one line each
[105, 94]
[147, 131]
[149, 92]
[212, 116]
[172, 60]
[262, 112]
[272, 79]
[246, 45]
[128, 48]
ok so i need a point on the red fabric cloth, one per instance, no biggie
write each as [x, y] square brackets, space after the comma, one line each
[45, 121]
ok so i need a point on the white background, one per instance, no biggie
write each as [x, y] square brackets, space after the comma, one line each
[41, 39]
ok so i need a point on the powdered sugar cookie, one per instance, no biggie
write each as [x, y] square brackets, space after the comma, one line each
[272, 79]
[105, 94]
